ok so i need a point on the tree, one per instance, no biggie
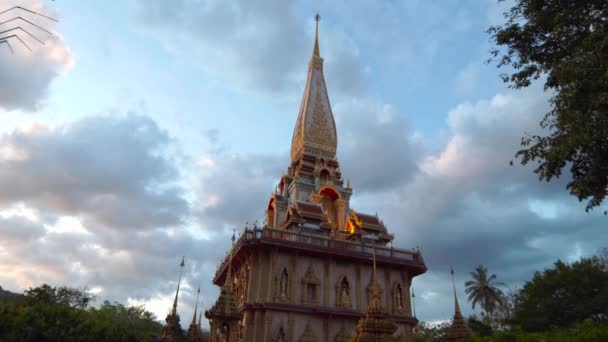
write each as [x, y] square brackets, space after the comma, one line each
[603, 257]
[484, 290]
[62, 314]
[75, 298]
[564, 295]
[503, 315]
[478, 327]
[566, 44]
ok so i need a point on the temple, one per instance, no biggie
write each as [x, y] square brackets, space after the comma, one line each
[316, 267]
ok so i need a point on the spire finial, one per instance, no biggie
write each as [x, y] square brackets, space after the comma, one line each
[228, 281]
[196, 307]
[316, 48]
[413, 302]
[457, 307]
[181, 265]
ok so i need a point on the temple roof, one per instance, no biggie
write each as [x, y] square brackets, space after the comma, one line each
[315, 130]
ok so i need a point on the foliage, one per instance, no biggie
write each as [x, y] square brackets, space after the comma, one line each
[478, 327]
[63, 295]
[433, 332]
[563, 295]
[483, 290]
[62, 314]
[603, 258]
[566, 41]
[586, 331]
[504, 314]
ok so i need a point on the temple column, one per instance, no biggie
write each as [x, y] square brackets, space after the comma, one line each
[341, 210]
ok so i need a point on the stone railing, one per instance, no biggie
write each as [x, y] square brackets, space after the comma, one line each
[319, 242]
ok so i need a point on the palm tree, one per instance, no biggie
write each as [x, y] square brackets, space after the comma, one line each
[484, 290]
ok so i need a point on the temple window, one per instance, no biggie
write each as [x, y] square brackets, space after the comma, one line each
[324, 176]
[310, 284]
[343, 299]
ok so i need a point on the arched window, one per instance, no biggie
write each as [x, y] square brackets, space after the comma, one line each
[343, 293]
[329, 204]
[324, 176]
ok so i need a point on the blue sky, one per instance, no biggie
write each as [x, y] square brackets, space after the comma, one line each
[144, 130]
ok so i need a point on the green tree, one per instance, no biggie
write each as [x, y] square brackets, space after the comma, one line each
[64, 295]
[484, 290]
[564, 295]
[62, 314]
[565, 43]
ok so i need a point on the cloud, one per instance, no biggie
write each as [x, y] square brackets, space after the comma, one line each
[377, 149]
[111, 170]
[25, 76]
[234, 188]
[258, 47]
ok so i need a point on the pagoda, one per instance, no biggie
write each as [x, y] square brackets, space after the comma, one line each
[308, 274]
[172, 331]
[459, 330]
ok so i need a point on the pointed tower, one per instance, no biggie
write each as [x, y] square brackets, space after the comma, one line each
[459, 330]
[376, 325]
[224, 316]
[300, 276]
[172, 331]
[193, 334]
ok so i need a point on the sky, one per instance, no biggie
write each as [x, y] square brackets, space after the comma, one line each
[144, 130]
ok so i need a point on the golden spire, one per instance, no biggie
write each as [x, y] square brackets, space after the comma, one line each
[196, 307]
[459, 330]
[375, 302]
[456, 306]
[315, 131]
[181, 265]
[376, 325]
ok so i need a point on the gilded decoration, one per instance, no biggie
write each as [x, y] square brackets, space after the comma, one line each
[311, 284]
[320, 131]
[369, 290]
[343, 293]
